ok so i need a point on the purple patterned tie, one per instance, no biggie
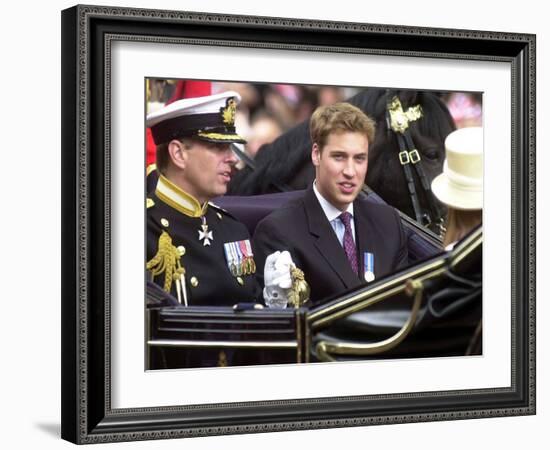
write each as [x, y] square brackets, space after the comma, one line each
[349, 245]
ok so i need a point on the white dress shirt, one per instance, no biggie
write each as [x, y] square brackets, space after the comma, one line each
[333, 214]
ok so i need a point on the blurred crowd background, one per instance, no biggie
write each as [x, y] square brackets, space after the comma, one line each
[268, 110]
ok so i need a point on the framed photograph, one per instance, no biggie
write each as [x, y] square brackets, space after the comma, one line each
[123, 374]
[271, 117]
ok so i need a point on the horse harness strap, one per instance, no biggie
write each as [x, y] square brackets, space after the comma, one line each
[407, 147]
[404, 159]
[398, 122]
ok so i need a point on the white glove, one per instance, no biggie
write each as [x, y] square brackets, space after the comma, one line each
[277, 279]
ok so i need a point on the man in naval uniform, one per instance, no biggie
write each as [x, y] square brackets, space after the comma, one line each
[195, 250]
[334, 235]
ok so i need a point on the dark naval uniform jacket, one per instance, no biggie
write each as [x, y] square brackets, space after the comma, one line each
[186, 254]
[302, 228]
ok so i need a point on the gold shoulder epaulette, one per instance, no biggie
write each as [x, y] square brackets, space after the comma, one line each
[150, 168]
[167, 261]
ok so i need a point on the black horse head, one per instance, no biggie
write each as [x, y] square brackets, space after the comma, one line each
[286, 163]
[385, 174]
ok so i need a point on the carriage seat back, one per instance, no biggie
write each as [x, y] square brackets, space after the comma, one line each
[251, 209]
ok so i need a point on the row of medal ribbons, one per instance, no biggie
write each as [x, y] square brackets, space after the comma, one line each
[239, 258]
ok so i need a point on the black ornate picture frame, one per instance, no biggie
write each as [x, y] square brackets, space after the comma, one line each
[87, 412]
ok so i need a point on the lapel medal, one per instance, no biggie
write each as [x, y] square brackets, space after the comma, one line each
[251, 263]
[368, 266]
[239, 258]
[204, 235]
[244, 261]
[230, 258]
[248, 266]
[234, 258]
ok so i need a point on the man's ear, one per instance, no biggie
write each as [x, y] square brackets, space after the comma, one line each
[178, 153]
[315, 154]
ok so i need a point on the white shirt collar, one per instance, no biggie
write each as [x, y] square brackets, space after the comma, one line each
[330, 211]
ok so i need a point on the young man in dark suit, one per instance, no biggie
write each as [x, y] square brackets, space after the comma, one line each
[334, 235]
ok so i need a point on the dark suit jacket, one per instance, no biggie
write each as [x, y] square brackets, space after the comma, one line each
[302, 228]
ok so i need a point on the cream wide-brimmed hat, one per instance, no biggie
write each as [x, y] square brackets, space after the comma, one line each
[461, 183]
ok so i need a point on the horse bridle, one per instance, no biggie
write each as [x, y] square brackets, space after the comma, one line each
[398, 121]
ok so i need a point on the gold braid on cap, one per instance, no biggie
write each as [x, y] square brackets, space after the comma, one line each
[399, 119]
[167, 261]
[228, 113]
[219, 136]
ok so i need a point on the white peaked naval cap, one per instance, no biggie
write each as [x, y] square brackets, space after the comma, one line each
[210, 118]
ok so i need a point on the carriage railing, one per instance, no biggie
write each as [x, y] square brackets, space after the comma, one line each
[327, 335]
[325, 350]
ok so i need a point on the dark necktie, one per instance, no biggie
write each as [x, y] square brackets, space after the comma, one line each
[349, 245]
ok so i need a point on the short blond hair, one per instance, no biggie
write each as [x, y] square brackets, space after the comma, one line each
[339, 117]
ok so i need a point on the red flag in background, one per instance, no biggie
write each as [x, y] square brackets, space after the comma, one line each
[190, 89]
[150, 148]
[184, 89]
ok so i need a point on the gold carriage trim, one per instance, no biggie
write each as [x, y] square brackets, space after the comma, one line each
[222, 137]
[326, 350]
[399, 119]
[167, 261]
